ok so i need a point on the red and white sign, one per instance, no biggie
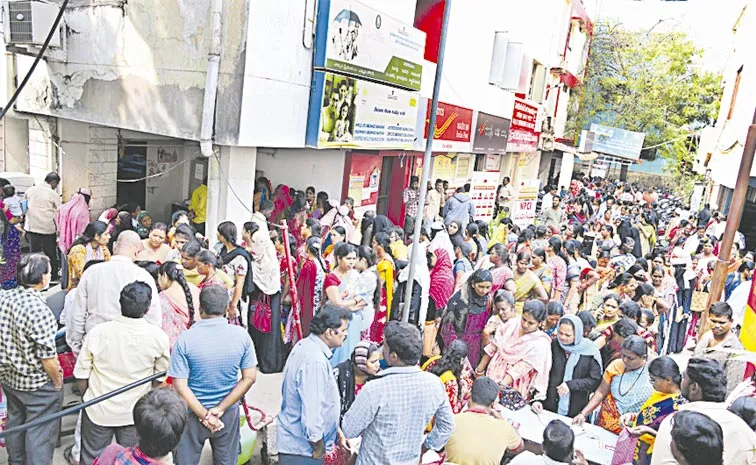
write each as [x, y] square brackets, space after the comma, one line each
[483, 194]
[524, 132]
[454, 126]
[524, 211]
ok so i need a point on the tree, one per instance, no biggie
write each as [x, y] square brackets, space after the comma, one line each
[648, 82]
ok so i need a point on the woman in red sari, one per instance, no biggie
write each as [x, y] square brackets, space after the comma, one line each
[281, 201]
[310, 283]
[441, 289]
[454, 370]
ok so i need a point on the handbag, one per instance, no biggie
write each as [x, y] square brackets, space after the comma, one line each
[699, 300]
[624, 451]
[263, 316]
[511, 398]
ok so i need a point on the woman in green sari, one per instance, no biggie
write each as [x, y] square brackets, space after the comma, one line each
[527, 284]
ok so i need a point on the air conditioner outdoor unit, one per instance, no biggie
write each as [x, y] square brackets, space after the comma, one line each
[29, 22]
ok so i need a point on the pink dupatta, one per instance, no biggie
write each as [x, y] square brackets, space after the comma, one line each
[72, 218]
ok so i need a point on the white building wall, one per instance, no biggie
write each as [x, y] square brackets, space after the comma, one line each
[299, 168]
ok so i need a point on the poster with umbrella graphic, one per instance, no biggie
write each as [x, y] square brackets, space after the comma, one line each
[357, 40]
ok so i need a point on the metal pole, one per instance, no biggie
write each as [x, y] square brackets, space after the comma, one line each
[426, 163]
[733, 222]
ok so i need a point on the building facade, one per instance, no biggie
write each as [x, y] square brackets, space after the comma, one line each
[141, 101]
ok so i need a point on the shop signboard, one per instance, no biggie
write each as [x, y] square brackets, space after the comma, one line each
[491, 134]
[347, 112]
[355, 39]
[483, 194]
[617, 142]
[523, 131]
[453, 131]
[524, 210]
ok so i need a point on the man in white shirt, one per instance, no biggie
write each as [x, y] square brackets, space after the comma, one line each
[548, 197]
[434, 202]
[704, 384]
[97, 295]
[116, 354]
[43, 202]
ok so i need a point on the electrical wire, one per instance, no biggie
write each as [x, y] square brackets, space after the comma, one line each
[37, 59]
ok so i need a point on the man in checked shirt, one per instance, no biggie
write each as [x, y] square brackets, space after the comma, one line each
[392, 411]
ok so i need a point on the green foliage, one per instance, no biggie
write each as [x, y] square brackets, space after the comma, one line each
[648, 82]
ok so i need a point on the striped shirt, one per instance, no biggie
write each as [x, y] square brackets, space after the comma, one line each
[210, 356]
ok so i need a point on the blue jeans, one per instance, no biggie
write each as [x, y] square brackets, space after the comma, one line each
[288, 459]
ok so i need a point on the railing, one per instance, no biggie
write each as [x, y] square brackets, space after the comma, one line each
[76, 408]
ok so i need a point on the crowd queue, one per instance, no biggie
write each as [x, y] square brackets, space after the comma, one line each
[576, 314]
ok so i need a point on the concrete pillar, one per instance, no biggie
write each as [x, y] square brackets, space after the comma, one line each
[231, 187]
[623, 172]
[568, 166]
[42, 151]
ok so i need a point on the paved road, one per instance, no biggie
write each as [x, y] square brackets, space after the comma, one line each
[265, 394]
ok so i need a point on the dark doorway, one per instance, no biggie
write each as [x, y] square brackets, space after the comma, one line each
[384, 187]
[132, 165]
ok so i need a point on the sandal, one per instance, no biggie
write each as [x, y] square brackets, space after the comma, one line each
[68, 455]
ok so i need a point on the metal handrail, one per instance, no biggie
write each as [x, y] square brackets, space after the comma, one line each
[83, 405]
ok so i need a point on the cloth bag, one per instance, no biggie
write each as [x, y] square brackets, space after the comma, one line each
[698, 300]
[624, 451]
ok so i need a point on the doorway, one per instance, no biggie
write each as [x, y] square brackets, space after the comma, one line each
[132, 165]
[384, 187]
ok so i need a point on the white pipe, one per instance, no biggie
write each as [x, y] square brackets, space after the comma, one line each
[211, 79]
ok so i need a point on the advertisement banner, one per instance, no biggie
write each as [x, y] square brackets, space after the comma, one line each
[346, 112]
[524, 210]
[364, 179]
[523, 133]
[617, 142]
[491, 134]
[365, 43]
[483, 194]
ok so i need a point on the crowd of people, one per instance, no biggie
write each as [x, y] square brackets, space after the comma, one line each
[578, 314]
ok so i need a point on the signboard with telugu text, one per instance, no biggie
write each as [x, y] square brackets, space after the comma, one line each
[355, 39]
[523, 131]
[617, 142]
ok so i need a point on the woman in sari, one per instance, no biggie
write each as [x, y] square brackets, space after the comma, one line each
[351, 376]
[441, 289]
[385, 269]
[450, 369]
[337, 235]
[122, 223]
[527, 284]
[310, 283]
[542, 270]
[608, 314]
[665, 302]
[467, 313]
[210, 274]
[321, 206]
[519, 355]
[92, 244]
[155, 248]
[624, 388]
[665, 378]
[558, 263]
[647, 234]
[72, 218]
[337, 291]
[179, 300]
[575, 369]
[281, 201]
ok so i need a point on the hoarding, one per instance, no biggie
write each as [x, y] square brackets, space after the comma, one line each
[491, 134]
[523, 131]
[355, 39]
[346, 112]
[617, 142]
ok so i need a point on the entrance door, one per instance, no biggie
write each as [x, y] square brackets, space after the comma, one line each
[384, 188]
[132, 165]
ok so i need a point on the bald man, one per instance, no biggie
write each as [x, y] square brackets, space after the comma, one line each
[97, 295]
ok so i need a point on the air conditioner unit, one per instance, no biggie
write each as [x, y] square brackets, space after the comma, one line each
[29, 22]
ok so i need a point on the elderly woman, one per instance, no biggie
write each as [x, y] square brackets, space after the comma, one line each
[466, 314]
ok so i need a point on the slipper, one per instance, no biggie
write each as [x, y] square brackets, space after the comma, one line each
[68, 455]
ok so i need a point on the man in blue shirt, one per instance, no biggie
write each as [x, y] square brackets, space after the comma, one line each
[393, 410]
[309, 420]
[205, 365]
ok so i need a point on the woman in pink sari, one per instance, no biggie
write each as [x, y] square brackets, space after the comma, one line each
[178, 299]
[519, 355]
[441, 290]
[281, 201]
[72, 218]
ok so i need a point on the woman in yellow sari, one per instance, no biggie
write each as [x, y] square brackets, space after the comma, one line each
[527, 284]
[664, 375]
[385, 270]
[542, 270]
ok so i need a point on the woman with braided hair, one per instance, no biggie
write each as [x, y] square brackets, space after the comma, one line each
[178, 299]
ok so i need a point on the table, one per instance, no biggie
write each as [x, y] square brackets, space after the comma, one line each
[597, 444]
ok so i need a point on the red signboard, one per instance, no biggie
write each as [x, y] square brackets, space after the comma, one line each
[453, 123]
[523, 132]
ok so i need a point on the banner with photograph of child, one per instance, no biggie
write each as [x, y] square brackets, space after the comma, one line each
[346, 112]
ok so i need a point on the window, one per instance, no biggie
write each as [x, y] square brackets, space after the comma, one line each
[734, 93]
[537, 82]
